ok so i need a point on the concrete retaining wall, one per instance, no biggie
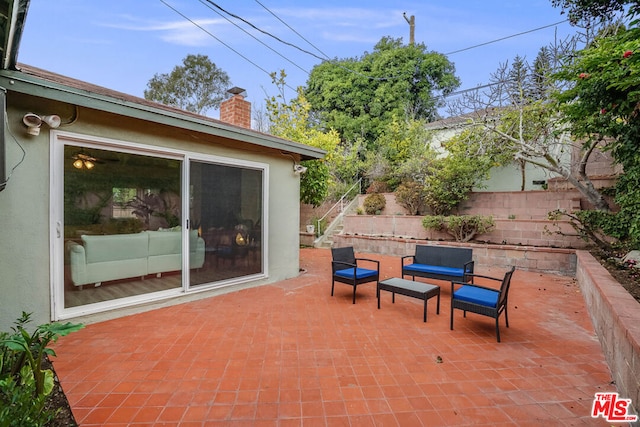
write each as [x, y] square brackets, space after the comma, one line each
[530, 258]
[615, 315]
[507, 231]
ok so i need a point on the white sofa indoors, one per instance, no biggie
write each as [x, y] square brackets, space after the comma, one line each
[121, 256]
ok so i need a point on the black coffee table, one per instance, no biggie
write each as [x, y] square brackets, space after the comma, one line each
[409, 288]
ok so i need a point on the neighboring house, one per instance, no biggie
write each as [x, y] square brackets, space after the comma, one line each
[104, 206]
[510, 177]
[505, 178]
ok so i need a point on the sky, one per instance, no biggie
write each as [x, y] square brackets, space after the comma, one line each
[122, 44]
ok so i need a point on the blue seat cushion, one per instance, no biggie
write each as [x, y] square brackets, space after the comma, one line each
[361, 273]
[435, 269]
[474, 295]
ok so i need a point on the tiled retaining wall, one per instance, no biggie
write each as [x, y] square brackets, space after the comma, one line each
[615, 315]
[530, 258]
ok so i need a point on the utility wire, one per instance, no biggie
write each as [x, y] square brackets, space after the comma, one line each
[263, 31]
[215, 5]
[395, 77]
[255, 38]
[334, 62]
[292, 29]
[220, 41]
[505, 38]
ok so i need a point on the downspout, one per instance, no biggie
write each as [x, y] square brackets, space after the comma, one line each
[15, 25]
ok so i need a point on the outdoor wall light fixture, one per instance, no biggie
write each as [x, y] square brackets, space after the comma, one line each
[34, 121]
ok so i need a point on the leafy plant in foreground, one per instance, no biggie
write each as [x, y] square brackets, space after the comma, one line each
[24, 384]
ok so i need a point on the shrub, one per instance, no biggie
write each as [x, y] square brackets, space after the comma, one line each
[374, 204]
[378, 187]
[462, 227]
[410, 195]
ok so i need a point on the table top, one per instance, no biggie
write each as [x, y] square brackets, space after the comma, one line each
[408, 284]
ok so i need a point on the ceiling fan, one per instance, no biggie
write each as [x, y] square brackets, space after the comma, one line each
[82, 160]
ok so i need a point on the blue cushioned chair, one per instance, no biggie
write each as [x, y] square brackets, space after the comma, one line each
[482, 300]
[345, 269]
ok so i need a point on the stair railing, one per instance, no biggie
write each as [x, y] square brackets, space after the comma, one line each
[339, 204]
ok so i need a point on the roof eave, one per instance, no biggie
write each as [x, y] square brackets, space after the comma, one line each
[25, 83]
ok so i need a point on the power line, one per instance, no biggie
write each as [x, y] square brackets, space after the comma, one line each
[292, 29]
[394, 77]
[263, 31]
[505, 38]
[255, 38]
[220, 41]
[335, 62]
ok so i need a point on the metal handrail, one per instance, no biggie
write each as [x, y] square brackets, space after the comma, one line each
[339, 202]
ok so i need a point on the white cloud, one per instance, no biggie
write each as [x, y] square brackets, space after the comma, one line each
[179, 32]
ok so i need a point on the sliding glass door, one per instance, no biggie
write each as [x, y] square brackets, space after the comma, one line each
[127, 219]
[226, 210]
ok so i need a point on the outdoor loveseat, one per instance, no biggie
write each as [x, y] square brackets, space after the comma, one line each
[439, 262]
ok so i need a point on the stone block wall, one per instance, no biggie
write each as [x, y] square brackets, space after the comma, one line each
[529, 258]
[506, 231]
[614, 314]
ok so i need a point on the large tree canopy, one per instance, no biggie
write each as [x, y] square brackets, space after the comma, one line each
[359, 96]
[197, 86]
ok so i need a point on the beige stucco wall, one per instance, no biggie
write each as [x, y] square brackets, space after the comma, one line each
[25, 203]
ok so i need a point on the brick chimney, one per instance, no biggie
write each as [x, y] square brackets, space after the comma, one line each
[236, 110]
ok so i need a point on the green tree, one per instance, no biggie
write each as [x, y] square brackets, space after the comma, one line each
[358, 97]
[603, 107]
[453, 177]
[197, 86]
[584, 10]
[290, 120]
[531, 127]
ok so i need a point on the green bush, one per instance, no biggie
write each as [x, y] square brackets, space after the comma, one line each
[374, 204]
[462, 227]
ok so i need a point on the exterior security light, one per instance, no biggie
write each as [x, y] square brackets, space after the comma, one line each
[33, 122]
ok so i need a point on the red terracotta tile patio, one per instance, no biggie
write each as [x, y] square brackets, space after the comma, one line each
[289, 354]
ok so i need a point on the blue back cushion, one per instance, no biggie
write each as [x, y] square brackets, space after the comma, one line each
[485, 297]
[435, 269]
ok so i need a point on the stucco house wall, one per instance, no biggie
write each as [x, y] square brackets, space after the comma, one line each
[26, 202]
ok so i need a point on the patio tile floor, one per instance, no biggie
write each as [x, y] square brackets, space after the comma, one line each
[289, 354]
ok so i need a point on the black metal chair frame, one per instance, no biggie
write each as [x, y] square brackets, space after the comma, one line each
[344, 258]
[494, 312]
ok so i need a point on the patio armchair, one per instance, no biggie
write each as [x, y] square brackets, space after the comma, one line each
[345, 268]
[482, 300]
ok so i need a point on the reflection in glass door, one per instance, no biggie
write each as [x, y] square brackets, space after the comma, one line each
[225, 211]
[122, 217]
